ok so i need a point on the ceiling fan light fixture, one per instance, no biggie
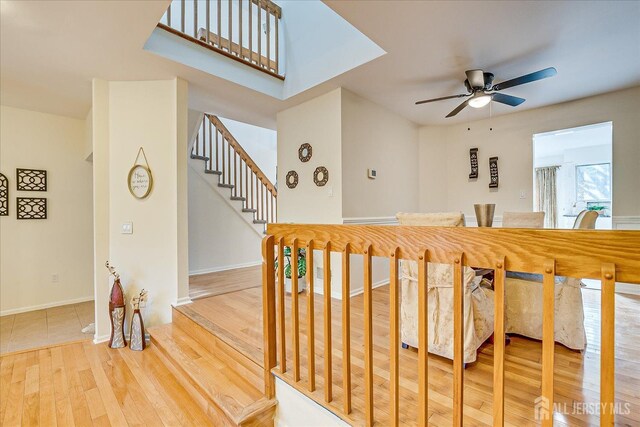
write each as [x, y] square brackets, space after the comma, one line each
[479, 100]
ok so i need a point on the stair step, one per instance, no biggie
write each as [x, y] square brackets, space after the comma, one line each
[226, 185]
[198, 157]
[259, 221]
[238, 198]
[249, 210]
[211, 171]
[221, 390]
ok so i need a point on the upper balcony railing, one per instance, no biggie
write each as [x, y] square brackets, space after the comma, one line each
[244, 30]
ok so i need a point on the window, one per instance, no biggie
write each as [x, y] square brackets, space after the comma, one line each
[593, 183]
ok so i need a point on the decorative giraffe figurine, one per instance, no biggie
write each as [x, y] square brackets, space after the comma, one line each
[117, 309]
[137, 325]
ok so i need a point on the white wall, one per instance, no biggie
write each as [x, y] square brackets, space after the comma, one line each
[127, 115]
[511, 141]
[219, 239]
[31, 251]
[374, 137]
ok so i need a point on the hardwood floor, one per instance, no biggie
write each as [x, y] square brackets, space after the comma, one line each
[223, 282]
[238, 317]
[84, 384]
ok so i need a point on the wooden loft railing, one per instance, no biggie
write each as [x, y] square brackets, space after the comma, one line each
[607, 255]
[226, 158]
[244, 30]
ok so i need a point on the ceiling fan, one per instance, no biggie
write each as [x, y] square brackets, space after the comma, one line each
[481, 89]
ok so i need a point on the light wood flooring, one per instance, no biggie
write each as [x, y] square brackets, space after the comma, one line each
[238, 316]
[45, 327]
[223, 282]
[84, 384]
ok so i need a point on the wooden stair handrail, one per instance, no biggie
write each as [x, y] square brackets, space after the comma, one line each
[243, 154]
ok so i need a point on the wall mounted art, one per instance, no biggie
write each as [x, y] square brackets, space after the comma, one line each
[140, 179]
[493, 172]
[292, 179]
[4, 195]
[305, 152]
[473, 157]
[31, 180]
[321, 176]
[31, 208]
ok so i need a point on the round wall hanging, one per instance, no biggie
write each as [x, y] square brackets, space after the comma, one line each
[304, 152]
[321, 176]
[292, 179]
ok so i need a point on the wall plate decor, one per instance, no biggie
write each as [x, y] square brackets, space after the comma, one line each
[292, 179]
[140, 179]
[493, 172]
[31, 208]
[4, 195]
[31, 180]
[321, 176]
[305, 152]
[473, 157]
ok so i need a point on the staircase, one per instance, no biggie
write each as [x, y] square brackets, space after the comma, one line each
[226, 383]
[246, 185]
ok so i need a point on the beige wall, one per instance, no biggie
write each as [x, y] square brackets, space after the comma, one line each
[33, 250]
[127, 115]
[317, 122]
[444, 154]
[374, 137]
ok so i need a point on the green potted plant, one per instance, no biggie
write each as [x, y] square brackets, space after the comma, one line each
[302, 269]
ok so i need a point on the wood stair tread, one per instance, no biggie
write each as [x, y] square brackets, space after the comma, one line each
[216, 381]
[226, 185]
[212, 171]
[259, 221]
[199, 157]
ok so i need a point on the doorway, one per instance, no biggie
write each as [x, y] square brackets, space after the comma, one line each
[573, 171]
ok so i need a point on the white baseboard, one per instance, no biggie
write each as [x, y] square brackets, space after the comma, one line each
[378, 284]
[625, 222]
[224, 268]
[183, 301]
[101, 339]
[371, 220]
[47, 305]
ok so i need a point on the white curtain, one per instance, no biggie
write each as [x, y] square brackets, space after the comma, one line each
[546, 195]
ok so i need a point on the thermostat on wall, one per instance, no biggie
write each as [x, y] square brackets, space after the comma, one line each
[371, 173]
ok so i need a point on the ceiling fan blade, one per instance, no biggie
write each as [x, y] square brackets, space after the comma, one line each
[462, 95]
[507, 99]
[458, 109]
[527, 78]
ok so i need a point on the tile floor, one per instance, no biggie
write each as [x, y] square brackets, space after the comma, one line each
[43, 327]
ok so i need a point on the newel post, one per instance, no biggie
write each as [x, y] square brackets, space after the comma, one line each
[269, 314]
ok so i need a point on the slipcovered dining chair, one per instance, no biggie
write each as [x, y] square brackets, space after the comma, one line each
[523, 302]
[478, 301]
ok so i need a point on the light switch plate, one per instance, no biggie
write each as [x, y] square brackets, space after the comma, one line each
[127, 228]
[523, 194]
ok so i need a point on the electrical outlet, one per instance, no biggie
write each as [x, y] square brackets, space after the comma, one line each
[55, 278]
[523, 194]
[127, 228]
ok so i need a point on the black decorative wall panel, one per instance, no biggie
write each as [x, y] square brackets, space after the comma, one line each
[4, 195]
[31, 207]
[31, 179]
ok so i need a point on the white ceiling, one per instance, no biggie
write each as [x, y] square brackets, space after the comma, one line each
[50, 51]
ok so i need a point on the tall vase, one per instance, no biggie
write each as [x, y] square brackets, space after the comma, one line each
[137, 332]
[116, 315]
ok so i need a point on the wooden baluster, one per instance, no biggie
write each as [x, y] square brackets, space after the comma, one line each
[423, 339]
[195, 19]
[250, 31]
[169, 15]
[607, 344]
[368, 338]
[268, 38]
[246, 185]
[458, 339]
[208, 13]
[252, 197]
[548, 341]
[182, 18]
[224, 166]
[311, 332]
[276, 45]
[271, 206]
[295, 333]
[346, 329]
[281, 305]
[219, 35]
[228, 159]
[498, 342]
[235, 173]
[240, 28]
[230, 25]
[269, 315]
[394, 339]
[262, 200]
[242, 165]
[328, 382]
[259, 34]
[208, 124]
